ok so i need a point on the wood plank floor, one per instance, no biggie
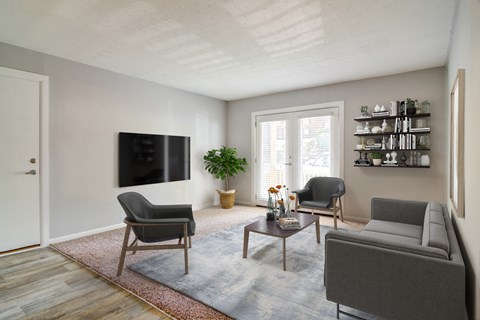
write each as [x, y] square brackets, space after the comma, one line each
[43, 284]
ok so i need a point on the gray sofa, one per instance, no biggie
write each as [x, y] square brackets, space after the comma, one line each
[405, 264]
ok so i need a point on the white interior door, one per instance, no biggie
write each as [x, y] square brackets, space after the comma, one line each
[19, 178]
[293, 147]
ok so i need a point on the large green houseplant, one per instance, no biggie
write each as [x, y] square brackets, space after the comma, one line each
[224, 163]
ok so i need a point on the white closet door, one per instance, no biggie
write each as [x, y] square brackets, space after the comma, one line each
[19, 145]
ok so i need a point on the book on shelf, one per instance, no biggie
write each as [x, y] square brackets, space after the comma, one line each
[419, 129]
[389, 164]
[380, 114]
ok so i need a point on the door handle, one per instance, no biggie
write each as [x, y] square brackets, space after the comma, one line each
[288, 164]
[32, 172]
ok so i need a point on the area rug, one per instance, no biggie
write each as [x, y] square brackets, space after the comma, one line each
[100, 253]
[251, 288]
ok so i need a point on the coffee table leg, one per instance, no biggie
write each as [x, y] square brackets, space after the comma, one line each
[284, 254]
[317, 230]
[245, 242]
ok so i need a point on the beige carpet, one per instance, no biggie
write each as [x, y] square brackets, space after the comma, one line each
[100, 252]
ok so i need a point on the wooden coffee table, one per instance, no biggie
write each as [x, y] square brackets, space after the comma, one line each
[270, 228]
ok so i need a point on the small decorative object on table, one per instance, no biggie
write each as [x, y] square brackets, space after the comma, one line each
[270, 209]
[288, 223]
[281, 213]
[275, 196]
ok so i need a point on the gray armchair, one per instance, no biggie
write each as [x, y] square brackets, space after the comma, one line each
[155, 223]
[322, 193]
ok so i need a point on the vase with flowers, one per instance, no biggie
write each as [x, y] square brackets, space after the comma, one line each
[273, 197]
[277, 197]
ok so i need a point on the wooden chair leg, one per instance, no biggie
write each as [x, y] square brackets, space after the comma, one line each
[124, 251]
[341, 208]
[190, 241]
[335, 213]
[134, 245]
[185, 246]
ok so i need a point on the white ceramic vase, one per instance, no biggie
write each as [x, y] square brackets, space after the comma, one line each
[425, 160]
[377, 162]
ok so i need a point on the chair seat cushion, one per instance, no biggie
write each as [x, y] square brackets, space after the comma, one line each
[397, 228]
[391, 237]
[315, 204]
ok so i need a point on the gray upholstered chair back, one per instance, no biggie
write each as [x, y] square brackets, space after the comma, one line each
[135, 206]
[323, 188]
[138, 209]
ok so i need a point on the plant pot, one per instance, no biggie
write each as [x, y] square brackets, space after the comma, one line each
[227, 198]
[377, 162]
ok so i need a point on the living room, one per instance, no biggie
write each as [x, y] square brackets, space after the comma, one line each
[89, 105]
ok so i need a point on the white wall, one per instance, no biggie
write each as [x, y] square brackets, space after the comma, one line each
[89, 106]
[362, 183]
[465, 53]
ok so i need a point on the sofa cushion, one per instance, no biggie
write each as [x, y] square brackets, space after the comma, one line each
[434, 232]
[395, 228]
[391, 237]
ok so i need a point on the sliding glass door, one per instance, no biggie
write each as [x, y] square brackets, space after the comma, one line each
[293, 147]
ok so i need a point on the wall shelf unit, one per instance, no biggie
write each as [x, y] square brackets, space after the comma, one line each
[402, 140]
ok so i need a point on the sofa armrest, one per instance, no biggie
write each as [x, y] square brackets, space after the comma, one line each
[391, 280]
[395, 210]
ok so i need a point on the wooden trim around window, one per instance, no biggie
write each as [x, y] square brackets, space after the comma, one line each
[457, 174]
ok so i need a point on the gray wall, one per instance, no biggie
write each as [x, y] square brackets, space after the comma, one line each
[465, 53]
[88, 107]
[361, 183]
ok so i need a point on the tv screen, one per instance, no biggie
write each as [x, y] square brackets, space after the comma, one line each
[151, 158]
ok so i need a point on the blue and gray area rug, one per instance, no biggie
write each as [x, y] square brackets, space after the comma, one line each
[251, 288]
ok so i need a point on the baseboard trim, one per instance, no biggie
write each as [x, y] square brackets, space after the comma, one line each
[86, 233]
[245, 203]
[357, 219]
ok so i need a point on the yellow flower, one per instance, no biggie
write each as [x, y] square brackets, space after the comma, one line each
[279, 187]
[280, 201]
[292, 197]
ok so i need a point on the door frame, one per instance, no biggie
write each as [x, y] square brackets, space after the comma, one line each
[44, 160]
[341, 132]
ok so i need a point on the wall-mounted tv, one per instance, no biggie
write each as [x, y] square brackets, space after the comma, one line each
[152, 158]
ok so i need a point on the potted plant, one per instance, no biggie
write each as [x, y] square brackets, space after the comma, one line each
[376, 158]
[411, 106]
[364, 111]
[224, 163]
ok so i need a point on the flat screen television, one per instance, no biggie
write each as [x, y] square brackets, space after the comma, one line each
[152, 158]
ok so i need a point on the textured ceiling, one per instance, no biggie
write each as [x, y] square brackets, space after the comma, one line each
[234, 49]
